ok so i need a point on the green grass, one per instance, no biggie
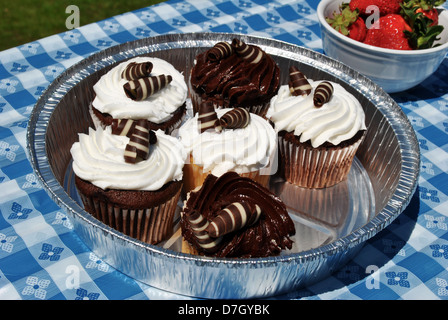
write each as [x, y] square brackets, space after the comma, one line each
[23, 21]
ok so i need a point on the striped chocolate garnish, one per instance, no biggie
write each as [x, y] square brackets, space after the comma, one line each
[138, 146]
[322, 94]
[140, 138]
[207, 117]
[298, 84]
[142, 88]
[136, 71]
[234, 217]
[219, 51]
[235, 118]
[250, 53]
[199, 225]
[123, 127]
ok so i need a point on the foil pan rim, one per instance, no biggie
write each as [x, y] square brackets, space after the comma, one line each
[407, 184]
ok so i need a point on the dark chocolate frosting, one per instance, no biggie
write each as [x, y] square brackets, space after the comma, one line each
[267, 236]
[234, 80]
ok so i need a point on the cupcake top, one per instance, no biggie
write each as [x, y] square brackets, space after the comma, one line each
[337, 118]
[236, 74]
[233, 216]
[158, 107]
[221, 148]
[100, 157]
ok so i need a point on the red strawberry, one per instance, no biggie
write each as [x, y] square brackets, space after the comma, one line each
[358, 30]
[390, 33]
[349, 23]
[432, 14]
[385, 6]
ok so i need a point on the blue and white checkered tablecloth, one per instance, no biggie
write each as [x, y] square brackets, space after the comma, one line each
[38, 247]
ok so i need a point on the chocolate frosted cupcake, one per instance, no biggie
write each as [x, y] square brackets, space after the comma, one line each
[320, 127]
[225, 140]
[233, 216]
[234, 75]
[130, 178]
[141, 88]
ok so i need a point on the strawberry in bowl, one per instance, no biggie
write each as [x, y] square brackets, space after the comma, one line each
[396, 43]
[396, 24]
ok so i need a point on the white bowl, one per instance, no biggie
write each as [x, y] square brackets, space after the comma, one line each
[393, 70]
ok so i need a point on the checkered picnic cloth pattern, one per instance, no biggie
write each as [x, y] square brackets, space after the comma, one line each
[41, 257]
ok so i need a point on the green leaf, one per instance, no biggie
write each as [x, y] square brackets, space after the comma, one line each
[423, 35]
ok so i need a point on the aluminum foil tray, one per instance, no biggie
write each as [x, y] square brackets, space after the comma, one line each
[332, 224]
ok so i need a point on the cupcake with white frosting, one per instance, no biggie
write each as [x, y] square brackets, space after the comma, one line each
[130, 178]
[228, 139]
[141, 88]
[320, 126]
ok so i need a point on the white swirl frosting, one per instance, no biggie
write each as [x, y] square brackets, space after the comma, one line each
[110, 96]
[337, 120]
[98, 157]
[241, 150]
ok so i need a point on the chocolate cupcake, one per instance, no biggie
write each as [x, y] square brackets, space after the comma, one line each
[130, 178]
[233, 216]
[141, 88]
[234, 75]
[320, 126]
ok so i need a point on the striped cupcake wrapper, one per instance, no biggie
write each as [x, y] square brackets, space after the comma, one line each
[308, 167]
[150, 225]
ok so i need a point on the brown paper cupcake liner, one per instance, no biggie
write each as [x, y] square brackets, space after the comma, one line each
[310, 167]
[151, 225]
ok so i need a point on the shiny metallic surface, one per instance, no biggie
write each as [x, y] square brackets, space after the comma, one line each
[384, 178]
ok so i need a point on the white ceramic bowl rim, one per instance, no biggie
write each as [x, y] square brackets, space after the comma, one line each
[320, 14]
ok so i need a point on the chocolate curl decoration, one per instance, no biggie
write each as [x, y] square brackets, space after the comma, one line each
[322, 94]
[298, 85]
[207, 117]
[219, 51]
[123, 127]
[235, 118]
[144, 87]
[136, 71]
[250, 53]
[199, 224]
[232, 218]
[140, 140]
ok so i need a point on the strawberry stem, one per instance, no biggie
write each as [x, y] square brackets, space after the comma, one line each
[343, 20]
[423, 34]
